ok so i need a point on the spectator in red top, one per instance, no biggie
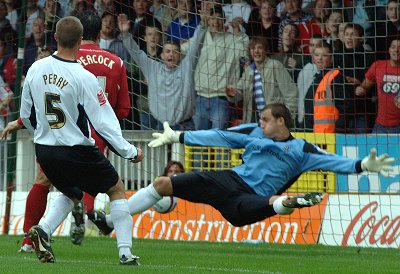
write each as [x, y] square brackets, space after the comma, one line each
[385, 74]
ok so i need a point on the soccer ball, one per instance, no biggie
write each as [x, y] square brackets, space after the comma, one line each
[166, 204]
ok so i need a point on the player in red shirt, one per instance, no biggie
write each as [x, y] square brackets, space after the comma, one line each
[386, 75]
[111, 73]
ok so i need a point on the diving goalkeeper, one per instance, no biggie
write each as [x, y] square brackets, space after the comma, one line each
[252, 191]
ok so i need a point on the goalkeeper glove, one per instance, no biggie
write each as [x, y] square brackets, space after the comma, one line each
[169, 136]
[377, 164]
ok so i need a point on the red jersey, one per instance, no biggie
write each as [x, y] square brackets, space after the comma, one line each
[9, 70]
[111, 74]
[387, 79]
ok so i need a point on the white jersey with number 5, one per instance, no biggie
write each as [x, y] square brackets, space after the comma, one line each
[56, 97]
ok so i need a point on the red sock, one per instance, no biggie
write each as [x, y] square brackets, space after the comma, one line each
[88, 200]
[36, 203]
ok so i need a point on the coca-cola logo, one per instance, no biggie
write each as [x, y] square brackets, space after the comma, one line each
[372, 230]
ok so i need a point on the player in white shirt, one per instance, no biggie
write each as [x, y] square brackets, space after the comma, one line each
[59, 98]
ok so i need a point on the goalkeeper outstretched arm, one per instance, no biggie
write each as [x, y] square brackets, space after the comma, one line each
[208, 138]
[169, 136]
[371, 163]
[380, 164]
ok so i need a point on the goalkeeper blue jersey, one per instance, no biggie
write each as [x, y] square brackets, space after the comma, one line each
[269, 167]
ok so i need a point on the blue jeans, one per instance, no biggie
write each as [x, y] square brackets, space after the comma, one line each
[360, 125]
[212, 113]
[147, 121]
[385, 130]
[185, 125]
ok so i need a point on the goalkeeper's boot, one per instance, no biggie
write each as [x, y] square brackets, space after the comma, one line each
[41, 243]
[129, 261]
[99, 219]
[77, 231]
[304, 200]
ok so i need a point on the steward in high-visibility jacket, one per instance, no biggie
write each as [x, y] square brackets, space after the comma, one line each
[325, 112]
[328, 103]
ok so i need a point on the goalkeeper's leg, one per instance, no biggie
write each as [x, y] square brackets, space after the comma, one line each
[286, 204]
[139, 202]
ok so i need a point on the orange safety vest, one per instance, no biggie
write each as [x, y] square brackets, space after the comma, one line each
[325, 112]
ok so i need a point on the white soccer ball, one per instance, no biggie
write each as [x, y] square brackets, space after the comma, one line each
[166, 204]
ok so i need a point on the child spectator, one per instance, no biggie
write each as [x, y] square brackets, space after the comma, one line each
[326, 104]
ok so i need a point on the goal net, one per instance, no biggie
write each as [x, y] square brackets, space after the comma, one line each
[336, 68]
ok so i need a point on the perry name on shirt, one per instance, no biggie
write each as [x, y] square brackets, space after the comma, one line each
[54, 79]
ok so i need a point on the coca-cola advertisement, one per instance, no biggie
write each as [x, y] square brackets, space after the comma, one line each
[362, 220]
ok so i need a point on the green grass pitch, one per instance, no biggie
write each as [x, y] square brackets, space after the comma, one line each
[99, 255]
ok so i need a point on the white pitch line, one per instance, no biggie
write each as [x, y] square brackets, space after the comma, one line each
[152, 266]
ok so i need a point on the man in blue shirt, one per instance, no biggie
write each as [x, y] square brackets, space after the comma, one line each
[252, 191]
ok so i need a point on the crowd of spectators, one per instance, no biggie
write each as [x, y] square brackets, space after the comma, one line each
[316, 56]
